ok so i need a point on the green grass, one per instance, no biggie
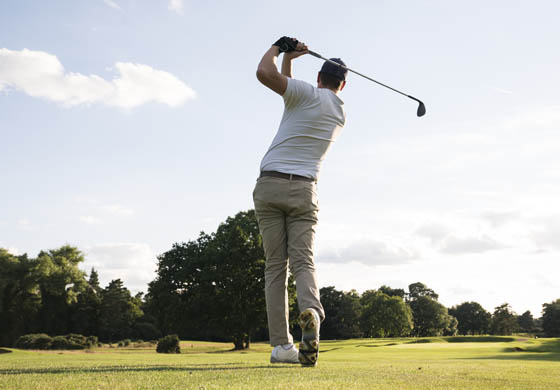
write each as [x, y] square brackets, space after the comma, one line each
[429, 363]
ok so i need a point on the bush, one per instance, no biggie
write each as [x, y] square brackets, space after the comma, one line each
[68, 342]
[43, 341]
[168, 344]
[124, 343]
[34, 341]
[92, 341]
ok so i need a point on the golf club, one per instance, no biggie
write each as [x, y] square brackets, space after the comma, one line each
[421, 108]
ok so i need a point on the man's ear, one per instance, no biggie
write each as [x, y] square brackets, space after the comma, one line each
[318, 78]
[342, 85]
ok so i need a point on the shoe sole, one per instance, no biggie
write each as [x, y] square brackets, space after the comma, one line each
[309, 346]
[275, 361]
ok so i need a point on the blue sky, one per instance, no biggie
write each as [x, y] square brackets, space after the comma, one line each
[129, 125]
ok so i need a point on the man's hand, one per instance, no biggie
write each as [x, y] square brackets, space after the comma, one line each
[286, 44]
[301, 49]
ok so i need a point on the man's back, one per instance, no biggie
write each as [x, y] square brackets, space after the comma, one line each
[313, 118]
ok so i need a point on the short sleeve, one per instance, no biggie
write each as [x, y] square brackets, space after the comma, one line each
[297, 93]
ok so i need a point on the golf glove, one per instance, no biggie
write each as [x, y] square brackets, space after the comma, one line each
[286, 44]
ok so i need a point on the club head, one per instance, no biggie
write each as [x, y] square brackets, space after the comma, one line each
[421, 109]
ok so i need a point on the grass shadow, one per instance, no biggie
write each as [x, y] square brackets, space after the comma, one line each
[546, 351]
[376, 345]
[155, 368]
[2, 350]
[479, 339]
[329, 350]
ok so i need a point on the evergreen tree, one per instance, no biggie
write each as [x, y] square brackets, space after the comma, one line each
[118, 312]
[504, 321]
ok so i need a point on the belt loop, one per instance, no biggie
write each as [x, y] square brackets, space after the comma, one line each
[291, 176]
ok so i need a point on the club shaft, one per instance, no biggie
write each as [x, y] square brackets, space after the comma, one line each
[358, 73]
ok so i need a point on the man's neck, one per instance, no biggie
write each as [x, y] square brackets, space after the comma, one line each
[336, 91]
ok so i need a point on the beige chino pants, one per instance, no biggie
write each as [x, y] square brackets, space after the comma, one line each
[287, 215]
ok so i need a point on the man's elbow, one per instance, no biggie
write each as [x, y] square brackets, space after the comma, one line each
[262, 75]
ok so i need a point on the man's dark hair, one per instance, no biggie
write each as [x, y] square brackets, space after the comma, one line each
[330, 81]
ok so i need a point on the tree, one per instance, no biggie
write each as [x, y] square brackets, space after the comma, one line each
[176, 296]
[60, 281]
[213, 288]
[504, 321]
[19, 297]
[237, 255]
[118, 312]
[472, 318]
[452, 326]
[342, 314]
[86, 312]
[551, 318]
[392, 292]
[384, 316]
[526, 322]
[430, 317]
[417, 290]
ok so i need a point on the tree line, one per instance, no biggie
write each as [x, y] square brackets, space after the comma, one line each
[212, 288]
[50, 294]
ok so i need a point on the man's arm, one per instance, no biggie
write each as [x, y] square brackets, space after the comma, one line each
[267, 72]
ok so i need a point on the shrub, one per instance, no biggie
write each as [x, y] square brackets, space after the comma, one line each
[92, 341]
[34, 341]
[124, 343]
[168, 344]
[67, 342]
[43, 341]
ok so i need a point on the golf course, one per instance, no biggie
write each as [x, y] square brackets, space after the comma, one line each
[483, 362]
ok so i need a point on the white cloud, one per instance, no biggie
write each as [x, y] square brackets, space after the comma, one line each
[502, 90]
[369, 252]
[176, 6]
[462, 245]
[434, 231]
[90, 220]
[112, 4]
[25, 224]
[117, 210]
[546, 234]
[498, 218]
[133, 263]
[460, 290]
[40, 74]
[467, 233]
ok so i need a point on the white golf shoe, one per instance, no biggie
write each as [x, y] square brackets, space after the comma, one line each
[286, 353]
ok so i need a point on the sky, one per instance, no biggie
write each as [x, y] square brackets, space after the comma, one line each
[130, 125]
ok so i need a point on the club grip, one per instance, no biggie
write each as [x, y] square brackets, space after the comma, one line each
[314, 54]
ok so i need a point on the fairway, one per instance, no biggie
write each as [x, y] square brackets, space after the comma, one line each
[430, 363]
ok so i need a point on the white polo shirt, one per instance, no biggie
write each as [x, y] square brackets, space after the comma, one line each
[313, 118]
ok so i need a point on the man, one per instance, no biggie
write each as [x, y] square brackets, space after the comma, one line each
[285, 194]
